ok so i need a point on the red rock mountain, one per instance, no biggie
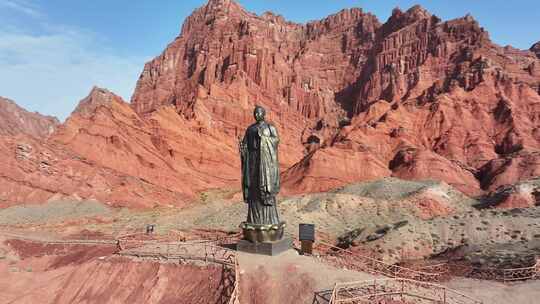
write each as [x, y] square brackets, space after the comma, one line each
[97, 153]
[15, 120]
[354, 99]
[413, 97]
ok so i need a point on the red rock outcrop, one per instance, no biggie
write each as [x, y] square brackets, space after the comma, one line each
[96, 270]
[353, 100]
[16, 120]
[441, 89]
[523, 194]
[33, 171]
[103, 151]
[438, 100]
[226, 60]
[535, 48]
[164, 149]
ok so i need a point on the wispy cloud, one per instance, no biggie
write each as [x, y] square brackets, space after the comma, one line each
[51, 73]
[22, 6]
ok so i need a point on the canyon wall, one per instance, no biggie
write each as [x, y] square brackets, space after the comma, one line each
[354, 99]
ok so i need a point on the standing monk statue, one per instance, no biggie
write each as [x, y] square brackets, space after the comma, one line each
[260, 180]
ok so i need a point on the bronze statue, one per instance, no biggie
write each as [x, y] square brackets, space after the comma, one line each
[260, 180]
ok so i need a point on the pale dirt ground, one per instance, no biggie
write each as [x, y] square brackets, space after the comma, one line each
[499, 293]
[336, 212]
[322, 278]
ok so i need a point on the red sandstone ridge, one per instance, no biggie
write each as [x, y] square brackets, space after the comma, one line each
[15, 120]
[437, 100]
[414, 97]
[226, 60]
[353, 99]
[163, 149]
[104, 151]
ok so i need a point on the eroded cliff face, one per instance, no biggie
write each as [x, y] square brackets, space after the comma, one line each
[353, 100]
[226, 60]
[16, 120]
[435, 100]
[103, 151]
[536, 49]
[292, 67]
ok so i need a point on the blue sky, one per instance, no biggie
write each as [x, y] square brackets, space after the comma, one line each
[53, 51]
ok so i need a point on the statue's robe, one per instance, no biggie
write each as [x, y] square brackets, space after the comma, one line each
[260, 173]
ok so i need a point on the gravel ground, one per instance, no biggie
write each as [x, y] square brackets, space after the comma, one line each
[366, 204]
[388, 188]
[481, 235]
[53, 212]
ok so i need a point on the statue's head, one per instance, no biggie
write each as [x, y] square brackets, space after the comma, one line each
[259, 113]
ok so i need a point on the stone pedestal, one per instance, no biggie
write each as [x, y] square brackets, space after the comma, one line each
[262, 233]
[266, 248]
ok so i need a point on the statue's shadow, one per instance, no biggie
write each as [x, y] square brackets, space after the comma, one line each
[322, 297]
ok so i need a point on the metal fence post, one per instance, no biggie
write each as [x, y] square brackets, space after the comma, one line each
[334, 294]
[444, 295]
[402, 289]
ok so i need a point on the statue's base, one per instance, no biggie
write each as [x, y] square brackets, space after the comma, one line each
[262, 233]
[265, 248]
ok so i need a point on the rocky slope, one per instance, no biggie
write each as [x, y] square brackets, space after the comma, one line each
[470, 235]
[159, 150]
[354, 99]
[438, 100]
[37, 273]
[226, 60]
[336, 212]
[536, 49]
[15, 120]
[523, 194]
[103, 151]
